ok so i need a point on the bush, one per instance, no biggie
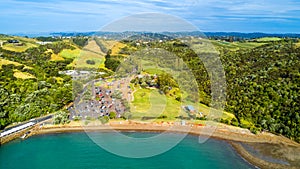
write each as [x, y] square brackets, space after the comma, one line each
[126, 115]
[88, 118]
[90, 62]
[61, 117]
[112, 115]
[162, 117]
[234, 122]
[103, 119]
[254, 130]
[77, 118]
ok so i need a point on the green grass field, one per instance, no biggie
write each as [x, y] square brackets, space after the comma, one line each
[234, 46]
[68, 53]
[90, 52]
[154, 71]
[150, 103]
[16, 48]
[24, 44]
[267, 39]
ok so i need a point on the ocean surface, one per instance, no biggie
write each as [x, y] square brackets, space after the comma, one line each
[78, 151]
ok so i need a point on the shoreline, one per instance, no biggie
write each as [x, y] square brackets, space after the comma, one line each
[232, 135]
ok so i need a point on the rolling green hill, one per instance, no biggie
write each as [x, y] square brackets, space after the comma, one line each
[262, 78]
[262, 82]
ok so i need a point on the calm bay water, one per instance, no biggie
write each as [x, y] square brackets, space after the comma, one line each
[77, 150]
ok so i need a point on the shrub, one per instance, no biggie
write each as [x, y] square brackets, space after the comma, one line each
[61, 117]
[103, 119]
[112, 115]
[90, 62]
[162, 117]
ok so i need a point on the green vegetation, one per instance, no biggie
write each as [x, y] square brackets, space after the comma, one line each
[150, 104]
[80, 41]
[234, 46]
[262, 77]
[268, 39]
[101, 45]
[61, 117]
[103, 119]
[111, 63]
[25, 98]
[47, 39]
[70, 53]
[262, 82]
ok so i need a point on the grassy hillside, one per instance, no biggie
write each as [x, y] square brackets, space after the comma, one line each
[235, 46]
[262, 81]
[268, 39]
[24, 43]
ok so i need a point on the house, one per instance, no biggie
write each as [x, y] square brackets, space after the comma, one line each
[12, 41]
[190, 108]
[43, 43]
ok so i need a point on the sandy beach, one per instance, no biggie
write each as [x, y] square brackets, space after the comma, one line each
[233, 135]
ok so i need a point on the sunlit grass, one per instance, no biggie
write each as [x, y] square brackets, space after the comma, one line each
[16, 48]
[23, 75]
[265, 39]
[93, 47]
[68, 53]
[234, 46]
[150, 103]
[84, 56]
[6, 62]
[117, 47]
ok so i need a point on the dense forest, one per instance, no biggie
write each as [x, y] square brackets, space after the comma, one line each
[45, 92]
[263, 87]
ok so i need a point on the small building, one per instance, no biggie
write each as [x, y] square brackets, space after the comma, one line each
[12, 41]
[190, 108]
[43, 43]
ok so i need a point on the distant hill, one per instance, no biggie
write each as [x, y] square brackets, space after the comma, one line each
[117, 35]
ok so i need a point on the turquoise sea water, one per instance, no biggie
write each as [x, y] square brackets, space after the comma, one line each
[78, 151]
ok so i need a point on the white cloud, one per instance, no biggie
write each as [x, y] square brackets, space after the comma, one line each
[199, 12]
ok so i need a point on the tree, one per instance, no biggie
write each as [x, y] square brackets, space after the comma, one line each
[112, 115]
[61, 117]
[103, 119]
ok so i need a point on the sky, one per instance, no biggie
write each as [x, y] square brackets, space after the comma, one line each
[33, 16]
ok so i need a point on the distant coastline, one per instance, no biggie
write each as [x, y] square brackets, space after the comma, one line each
[247, 35]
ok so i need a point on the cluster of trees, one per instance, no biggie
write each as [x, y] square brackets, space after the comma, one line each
[61, 117]
[47, 39]
[48, 92]
[163, 81]
[111, 63]
[80, 41]
[263, 87]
